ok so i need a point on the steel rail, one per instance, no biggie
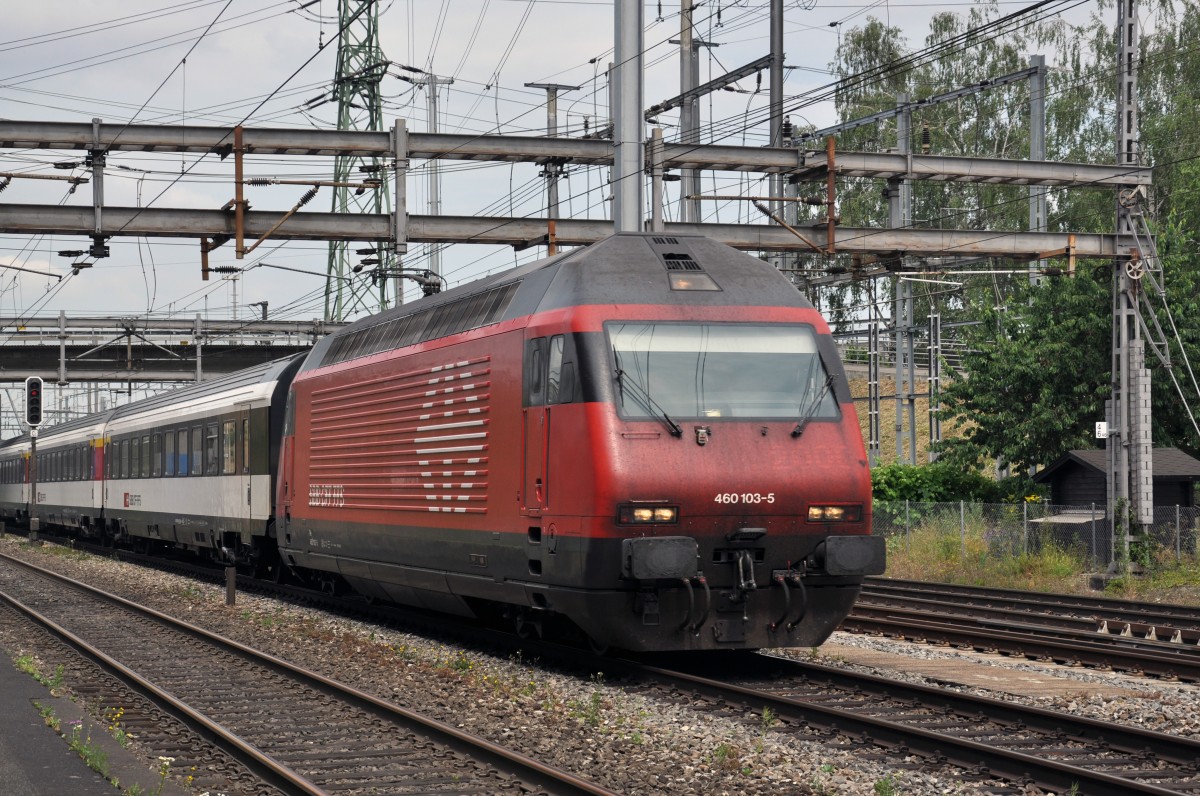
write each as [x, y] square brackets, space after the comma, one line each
[1183, 665]
[969, 754]
[521, 766]
[1086, 628]
[1012, 765]
[1127, 610]
[263, 766]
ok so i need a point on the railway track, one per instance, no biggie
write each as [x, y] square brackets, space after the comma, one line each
[276, 728]
[1162, 615]
[1146, 638]
[987, 738]
[984, 738]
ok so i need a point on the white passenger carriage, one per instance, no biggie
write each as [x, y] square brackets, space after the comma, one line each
[69, 487]
[14, 480]
[193, 467]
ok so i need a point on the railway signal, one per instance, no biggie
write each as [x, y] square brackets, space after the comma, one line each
[33, 401]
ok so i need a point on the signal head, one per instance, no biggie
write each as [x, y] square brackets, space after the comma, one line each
[33, 401]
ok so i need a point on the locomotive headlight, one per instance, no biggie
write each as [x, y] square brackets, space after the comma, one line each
[647, 515]
[835, 513]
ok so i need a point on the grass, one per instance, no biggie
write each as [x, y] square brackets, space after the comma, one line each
[28, 665]
[1166, 580]
[935, 551]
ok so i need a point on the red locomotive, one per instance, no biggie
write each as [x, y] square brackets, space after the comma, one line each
[650, 439]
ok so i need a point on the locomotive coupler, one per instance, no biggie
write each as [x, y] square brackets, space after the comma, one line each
[745, 569]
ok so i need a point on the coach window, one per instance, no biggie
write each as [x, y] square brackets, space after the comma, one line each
[197, 447]
[181, 450]
[228, 447]
[124, 458]
[245, 445]
[169, 453]
[211, 455]
[156, 455]
[136, 458]
[146, 456]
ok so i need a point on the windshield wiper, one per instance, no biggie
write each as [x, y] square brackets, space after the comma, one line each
[812, 408]
[642, 396]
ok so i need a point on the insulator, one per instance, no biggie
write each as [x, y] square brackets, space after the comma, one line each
[71, 253]
[7, 181]
[925, 140]
[225, 269]
[260, 181]
[308, 196]
[364, 252]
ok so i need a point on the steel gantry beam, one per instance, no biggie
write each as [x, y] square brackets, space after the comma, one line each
[447, 146]
[153, 222]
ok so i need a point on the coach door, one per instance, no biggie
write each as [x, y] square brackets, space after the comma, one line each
[243, 458]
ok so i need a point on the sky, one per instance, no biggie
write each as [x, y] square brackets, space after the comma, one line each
[270, 62]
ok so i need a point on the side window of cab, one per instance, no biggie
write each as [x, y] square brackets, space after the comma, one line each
[549, 374]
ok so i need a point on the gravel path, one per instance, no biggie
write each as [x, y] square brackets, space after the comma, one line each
[624, 741]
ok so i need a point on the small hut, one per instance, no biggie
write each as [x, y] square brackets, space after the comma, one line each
[1080, 478]
[1078, 506]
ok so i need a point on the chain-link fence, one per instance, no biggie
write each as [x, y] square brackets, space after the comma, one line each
[1017, 529]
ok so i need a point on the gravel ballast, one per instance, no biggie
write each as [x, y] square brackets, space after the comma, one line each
[627, 742]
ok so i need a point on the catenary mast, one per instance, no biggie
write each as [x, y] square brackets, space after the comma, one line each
[1130, 450]
[361, 66]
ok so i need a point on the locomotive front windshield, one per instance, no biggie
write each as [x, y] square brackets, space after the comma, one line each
[714, 370]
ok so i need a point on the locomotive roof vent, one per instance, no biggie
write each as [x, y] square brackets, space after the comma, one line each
[683, 268]
[675, 261]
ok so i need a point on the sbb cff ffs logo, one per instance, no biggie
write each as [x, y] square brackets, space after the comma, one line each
[33, 401]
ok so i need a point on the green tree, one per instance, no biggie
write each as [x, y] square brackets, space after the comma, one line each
[1035, 376]
[1038, 364]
